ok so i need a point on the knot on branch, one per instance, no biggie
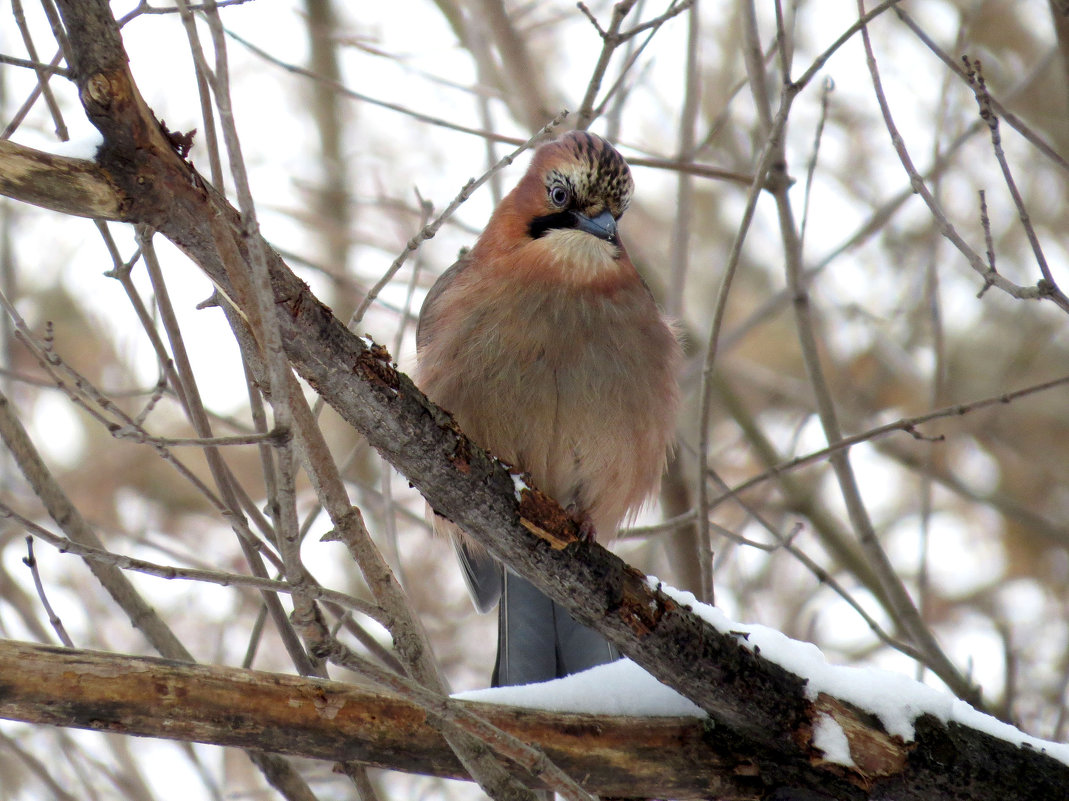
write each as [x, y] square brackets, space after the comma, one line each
[777, 179]
[98, 91]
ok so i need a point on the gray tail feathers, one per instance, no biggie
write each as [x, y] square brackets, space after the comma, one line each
[537, 639]
[482, 574]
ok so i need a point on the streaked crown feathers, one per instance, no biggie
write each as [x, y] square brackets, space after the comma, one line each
[589, 168]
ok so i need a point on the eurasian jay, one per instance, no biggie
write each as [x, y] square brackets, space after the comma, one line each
[549, 350]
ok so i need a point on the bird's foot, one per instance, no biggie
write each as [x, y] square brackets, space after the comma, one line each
[587, 532]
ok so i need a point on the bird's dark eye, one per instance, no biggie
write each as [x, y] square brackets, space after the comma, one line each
[559, 196]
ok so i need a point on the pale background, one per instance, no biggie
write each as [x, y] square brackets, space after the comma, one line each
[974, 522]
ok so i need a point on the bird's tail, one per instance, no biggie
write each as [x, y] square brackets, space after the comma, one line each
[539, 640]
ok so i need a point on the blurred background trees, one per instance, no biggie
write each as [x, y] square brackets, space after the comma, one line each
[360, 124]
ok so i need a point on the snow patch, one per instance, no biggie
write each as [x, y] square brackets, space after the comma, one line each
[829, 737]
[83, 147]
[624, 688]
[518, 485]
[895, 699]
[618, 688]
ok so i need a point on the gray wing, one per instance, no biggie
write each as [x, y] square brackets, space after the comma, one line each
[427, 312]
[482, 573]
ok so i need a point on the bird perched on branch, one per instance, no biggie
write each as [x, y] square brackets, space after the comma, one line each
[547, 347]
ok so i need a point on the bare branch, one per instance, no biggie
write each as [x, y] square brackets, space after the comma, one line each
[908, 425]
[172, 572]
[347, 92]
[57, 625]
[921, 188]
[68, 518]
[1014, 121]
[983, 98]
[59, 183]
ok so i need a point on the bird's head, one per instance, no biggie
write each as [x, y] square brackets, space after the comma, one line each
[577, 183]
[565, 210]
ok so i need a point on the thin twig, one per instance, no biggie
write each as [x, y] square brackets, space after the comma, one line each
[613, 113]
[608, 44]
[931, 299]
[985, 226]
[811, 168]
[906, 424]
[137, 434]
[827, 579]
[941, 162]
[975, 75]
[844, 37]
[202, 74]
[57, 625]
[42, 74]
[699, 170]
[1013, 120]
[102, 556]
[144, 8]
[17, 118]
[81, 392]
[679, 257]
[189, 400]
[426, 209]
[67, 517]
[1021, 514]
[674, 10]
[37, 66]
[59, 31]
[920, 187]
[665, 526]
[774, 133]
[185, 383]
[629, 63]
[346, 91]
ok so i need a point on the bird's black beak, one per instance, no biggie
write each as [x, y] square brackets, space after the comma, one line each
[603, 226]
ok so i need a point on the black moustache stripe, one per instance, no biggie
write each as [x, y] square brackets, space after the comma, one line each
[540, 226]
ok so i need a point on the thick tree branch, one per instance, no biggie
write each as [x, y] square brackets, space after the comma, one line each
[342, 722]
[617, 756]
